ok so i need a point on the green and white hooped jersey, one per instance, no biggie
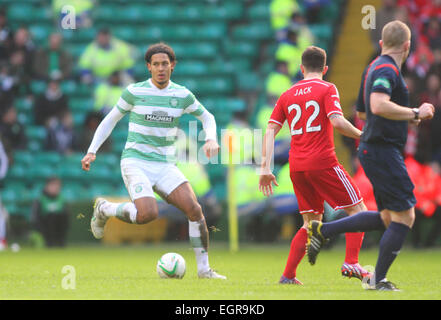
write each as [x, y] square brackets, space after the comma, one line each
[154, 119]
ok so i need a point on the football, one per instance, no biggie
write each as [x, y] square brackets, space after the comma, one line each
[171, 265]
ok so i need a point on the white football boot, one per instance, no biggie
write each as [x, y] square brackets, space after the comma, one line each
[210, 274]
[98, 220]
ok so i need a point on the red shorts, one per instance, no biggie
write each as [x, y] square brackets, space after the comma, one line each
[333, 185]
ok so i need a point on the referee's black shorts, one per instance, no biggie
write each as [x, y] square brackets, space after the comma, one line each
[384, 166]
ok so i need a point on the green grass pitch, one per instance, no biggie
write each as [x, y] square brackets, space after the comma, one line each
[130, 273]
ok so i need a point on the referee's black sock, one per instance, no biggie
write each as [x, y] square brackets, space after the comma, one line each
[390, 245]
[359, 222]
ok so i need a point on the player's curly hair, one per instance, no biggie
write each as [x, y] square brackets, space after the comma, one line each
[159, 48]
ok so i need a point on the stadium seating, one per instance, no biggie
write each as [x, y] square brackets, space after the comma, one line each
[25, 13]
[81, 105]
[38, 87]
[36, 133]
[40, 32]
[255, 31]
[23, 105]
[51, 159]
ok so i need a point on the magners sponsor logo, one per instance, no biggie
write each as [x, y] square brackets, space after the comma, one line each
[159, 116]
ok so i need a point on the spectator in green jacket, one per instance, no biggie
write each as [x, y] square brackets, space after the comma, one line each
[298, 22]
[253, 209]
[281, 11]
[53, 62]
[107, 94]
[278, 81]
[104, 56]
[50, 214]
[291, 49]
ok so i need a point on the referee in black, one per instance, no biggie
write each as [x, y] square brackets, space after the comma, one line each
[383, 102]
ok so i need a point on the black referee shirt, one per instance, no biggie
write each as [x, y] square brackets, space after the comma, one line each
[383, 75]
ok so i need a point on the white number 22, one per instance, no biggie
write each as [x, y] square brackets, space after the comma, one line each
[298, 114]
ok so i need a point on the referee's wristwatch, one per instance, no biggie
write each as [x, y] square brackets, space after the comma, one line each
[416, 111]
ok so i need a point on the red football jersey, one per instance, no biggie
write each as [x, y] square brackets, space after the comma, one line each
[306, 106]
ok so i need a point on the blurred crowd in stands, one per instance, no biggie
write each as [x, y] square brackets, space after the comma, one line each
[22, 61]
[291, 21]
[104, 62]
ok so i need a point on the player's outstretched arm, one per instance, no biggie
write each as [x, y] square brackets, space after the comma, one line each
[267, 179]
[268, 146]
[87, 160]
[211, 147]
[101, 134]
[344, 126]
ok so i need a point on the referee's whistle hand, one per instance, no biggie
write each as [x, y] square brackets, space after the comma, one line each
[87, 160]
[427, 110]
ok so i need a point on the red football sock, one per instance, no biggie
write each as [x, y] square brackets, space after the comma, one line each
[353, 246]
[296, 253]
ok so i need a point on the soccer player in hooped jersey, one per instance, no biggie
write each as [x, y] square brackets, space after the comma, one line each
[312, 109]
[148, 159]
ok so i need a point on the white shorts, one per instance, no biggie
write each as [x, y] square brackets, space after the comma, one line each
[142, 178]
